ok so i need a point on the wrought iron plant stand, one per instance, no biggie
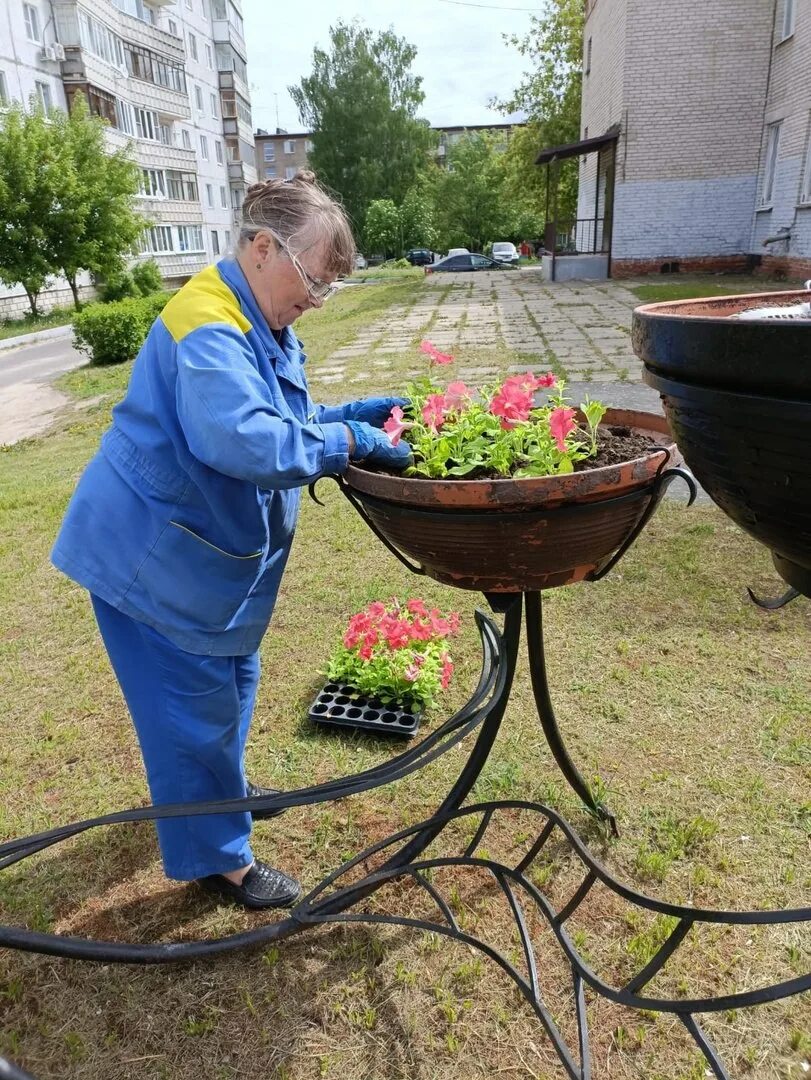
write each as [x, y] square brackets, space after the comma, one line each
[356, 893]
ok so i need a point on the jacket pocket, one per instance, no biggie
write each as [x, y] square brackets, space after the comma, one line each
[192, 583]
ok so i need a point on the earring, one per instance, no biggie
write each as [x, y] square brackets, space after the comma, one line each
[258, 266]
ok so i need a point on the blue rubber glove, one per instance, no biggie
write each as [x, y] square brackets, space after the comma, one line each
[373, 410]
[374, 447]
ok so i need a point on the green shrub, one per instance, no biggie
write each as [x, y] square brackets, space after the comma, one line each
[147, 277]
[118, 287]
[112, 333]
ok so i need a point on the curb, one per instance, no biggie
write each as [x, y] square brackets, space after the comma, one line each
[35, 336]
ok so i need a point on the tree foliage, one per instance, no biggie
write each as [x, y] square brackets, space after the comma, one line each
[382, 233]
[550, 95]
[360, 102]
[65, 203]
[471, 207]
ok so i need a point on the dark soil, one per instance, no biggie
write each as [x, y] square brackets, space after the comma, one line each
[615, 445]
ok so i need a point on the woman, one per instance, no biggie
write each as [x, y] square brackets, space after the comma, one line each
[181, 525]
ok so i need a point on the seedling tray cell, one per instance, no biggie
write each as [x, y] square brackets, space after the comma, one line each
[347, 707]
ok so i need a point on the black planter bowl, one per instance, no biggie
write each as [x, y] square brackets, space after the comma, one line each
[737, 397]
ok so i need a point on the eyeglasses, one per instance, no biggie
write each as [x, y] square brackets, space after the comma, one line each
[319, 290]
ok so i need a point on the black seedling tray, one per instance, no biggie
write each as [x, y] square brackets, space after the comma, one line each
[344, 706]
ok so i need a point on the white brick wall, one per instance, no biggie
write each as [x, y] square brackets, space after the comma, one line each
[692, 85]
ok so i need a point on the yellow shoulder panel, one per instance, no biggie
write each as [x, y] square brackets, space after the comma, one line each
[205, 299]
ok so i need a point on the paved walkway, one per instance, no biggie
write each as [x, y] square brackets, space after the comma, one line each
[581, 329]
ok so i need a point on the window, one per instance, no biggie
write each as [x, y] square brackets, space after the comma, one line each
[146, 124]
[153, 183]
[270, 172]
[237, 198]
[188, 5]
[234, 105]
[209, 57]
[3, 89]
[101, 41]
[290, 171]
[805, 194]
[588, 57]
[173, 27]
[32, 30]
[198, 98]
[158, 239]
[289, 146]
[269, 152]
[181, 185]
[215, 242]
[770, 166]
[165, 134]
[136, 8]
[215, 112]
[228, 59]
[192, 46]
[204, 147]
[44, 97]
[186, 139]
[788, 19]
[190, 238]
[308, 146]
[210, 195]
[223, 198]
[227, 239]
[218, 151]
[146, 65]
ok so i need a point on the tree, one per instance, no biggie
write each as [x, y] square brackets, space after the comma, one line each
[31, 168]
[470, 198]
[360, 102]
[65, 204]
[417, 218]
[550, 96]
[95, 225]
[382, 231]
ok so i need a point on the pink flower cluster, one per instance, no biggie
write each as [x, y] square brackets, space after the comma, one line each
[435, 355]
[398, 628]
[514, 402]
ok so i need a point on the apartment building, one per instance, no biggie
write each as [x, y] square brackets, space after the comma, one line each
[281, 153]
[696, 125]
[171, 80]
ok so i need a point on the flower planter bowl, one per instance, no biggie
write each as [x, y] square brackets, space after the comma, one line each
[337, 705]
[506, 536]
[737, 395]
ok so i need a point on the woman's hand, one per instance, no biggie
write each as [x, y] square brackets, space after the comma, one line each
[374, 411]
[367, 443]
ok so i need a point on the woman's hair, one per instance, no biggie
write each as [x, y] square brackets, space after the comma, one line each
[302, 215]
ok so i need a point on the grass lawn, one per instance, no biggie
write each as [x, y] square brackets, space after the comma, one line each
[690, 706]
[687, 288]
[29, 324]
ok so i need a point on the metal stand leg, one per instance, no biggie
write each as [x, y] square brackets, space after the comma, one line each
[546, 712]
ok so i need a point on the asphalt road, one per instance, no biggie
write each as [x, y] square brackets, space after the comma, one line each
[28, 402]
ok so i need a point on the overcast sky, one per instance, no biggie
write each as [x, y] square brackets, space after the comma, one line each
[461, 55]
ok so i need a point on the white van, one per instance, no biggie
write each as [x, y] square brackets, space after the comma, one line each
[505, 252]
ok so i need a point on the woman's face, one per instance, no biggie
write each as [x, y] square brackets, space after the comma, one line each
[281, 288]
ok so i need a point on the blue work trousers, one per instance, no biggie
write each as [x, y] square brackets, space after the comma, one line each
[192, 715]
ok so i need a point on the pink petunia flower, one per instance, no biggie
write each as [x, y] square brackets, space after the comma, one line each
[434, 410]
[512, 403]
[412, 673]
[416, 607]
[561, 422]
[457, 395]
[547, 380]
[435, 355]
[447, 671]
[376, 609]
[395, 425]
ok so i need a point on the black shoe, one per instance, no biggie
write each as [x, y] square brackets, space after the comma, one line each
[253, 790]
[262, 887]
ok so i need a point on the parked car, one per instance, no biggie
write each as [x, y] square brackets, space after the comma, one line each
[457, 251]
[462, 263]
[420, 256]
[360, 261]
[507, 253]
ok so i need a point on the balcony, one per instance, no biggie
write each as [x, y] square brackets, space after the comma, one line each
[223, 32]
[232, 125]
[229, 80]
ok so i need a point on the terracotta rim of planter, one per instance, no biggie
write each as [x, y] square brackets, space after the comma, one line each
[588, 485]
[715, 308]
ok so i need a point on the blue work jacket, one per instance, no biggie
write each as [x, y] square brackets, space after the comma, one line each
[185, 516]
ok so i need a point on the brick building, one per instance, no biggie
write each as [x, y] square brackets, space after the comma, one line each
[703, 116]
[170, 78]
[281, 153]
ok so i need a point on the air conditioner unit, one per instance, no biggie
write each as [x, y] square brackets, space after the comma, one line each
[59, 50]
[48, 53]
